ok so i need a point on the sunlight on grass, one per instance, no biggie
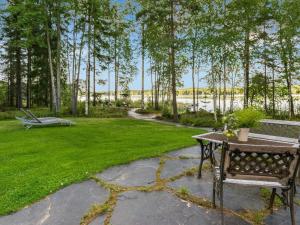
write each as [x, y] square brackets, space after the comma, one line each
[37, 162]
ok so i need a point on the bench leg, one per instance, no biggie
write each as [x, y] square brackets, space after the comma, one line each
[211, 155]
[202, 146]
[221, 202]
[292, 210]
[272, 199]
[200, 165]
[206, 153]
[214, 194]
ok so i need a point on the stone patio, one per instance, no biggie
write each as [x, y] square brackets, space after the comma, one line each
[159, 191]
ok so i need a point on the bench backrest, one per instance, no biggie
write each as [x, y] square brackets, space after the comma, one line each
[280, 128]
[29, 114]
[258, 162]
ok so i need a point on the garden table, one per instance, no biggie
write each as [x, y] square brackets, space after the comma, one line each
[209, 142]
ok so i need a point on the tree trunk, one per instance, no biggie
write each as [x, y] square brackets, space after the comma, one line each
[289, 88]
[193, 77]
[246, 68]
[58, 66]
[94, 68]
[265, 86]
[53, 88]
[284, 59]
[79, 65]
[265, 72]
[273, 92]
[290, 71]
[214, 88]
[198, 82]
[156, 101]
[220, 90]
[143, 69]
[108, 81]
[28, 99]
[74, 89]
[18, 77]
[232, 93]
[69, 81]
[152, 86]
[11, 86]
[88, 69]
[224, 85]
[172, 63]
[116, 71]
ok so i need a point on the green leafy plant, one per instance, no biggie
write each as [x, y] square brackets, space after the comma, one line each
[231, 125]
[248, 118]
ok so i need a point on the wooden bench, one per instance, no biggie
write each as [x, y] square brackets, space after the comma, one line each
[288, 131]
[258, 165]
[279, 130]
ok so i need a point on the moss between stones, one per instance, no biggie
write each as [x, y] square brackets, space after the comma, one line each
[161, 185]
[95, 211]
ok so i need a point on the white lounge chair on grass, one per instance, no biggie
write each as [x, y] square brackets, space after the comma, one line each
[31, 120]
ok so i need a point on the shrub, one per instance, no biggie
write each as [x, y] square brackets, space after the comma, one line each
[147, 111]
[248, 118]
[104, 112]
[12, 113]
[123, 102]
[97, 112]
[166, 113]
[200, 119]
[135, 104]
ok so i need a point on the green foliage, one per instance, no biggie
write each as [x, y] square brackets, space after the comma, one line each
[12, 113]
[101, 112]
[38, 162]
[123, 102]
[3, 96]
[231, 124]
[200, 119]
[95, 112]
[248, 118]
[147, 111]
[166, 113]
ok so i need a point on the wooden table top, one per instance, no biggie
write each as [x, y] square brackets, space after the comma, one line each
[219, 138]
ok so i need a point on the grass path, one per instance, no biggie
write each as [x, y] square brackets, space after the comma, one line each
[37, 162]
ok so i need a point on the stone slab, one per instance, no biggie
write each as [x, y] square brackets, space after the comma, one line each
[282, 217]
[191, 152]
[98, 221]
[237, 198]
[65, 207]
[138, 173]
[162, 208]
[176, 167]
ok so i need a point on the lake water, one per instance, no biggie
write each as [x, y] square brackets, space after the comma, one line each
[207, 103]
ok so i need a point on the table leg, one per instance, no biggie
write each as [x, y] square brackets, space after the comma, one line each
[211, 154]
[206, 153]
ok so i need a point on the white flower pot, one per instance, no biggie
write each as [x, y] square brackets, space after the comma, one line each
[243, 134]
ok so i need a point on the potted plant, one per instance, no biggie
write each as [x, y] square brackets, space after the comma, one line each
[230, 126]
[246, 119]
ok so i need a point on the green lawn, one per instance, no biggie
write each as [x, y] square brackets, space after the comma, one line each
[36, 162]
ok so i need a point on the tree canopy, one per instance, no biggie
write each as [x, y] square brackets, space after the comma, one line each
[56, 52]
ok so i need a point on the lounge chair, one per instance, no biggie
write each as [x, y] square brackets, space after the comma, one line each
[30, 120]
